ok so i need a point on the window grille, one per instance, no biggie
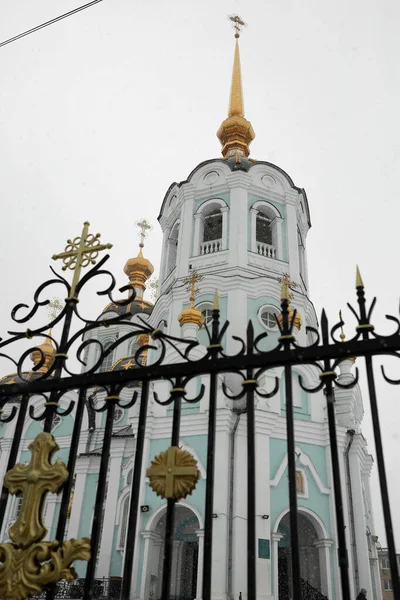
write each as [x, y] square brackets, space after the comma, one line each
[263, 229]
[213, 226]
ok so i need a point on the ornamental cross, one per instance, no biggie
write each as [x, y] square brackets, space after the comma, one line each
[169, 470]
[154, 285]
[287, 286]
[144, 227]
[33, 482]
[191, 282]
[238, 24]
[55, 306]
[81, 252]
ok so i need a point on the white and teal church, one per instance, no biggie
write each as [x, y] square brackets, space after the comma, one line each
[241, 224]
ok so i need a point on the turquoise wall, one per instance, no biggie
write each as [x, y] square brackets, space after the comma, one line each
[303, 413]
[316, 502]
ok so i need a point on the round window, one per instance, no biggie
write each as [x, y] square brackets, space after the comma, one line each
[118, 414]
[207, 312]
[268, 316]
[208, 315]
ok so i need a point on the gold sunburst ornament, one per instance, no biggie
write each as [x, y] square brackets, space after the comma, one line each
[29, 563]
[173, 474]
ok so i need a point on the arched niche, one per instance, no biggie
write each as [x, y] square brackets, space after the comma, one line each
[266, 230]
[211, 227]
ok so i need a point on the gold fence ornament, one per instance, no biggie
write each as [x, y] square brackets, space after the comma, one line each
[29, 563]
[173, 474]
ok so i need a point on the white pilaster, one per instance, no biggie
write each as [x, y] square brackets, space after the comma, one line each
[325, 566]
[148, 564]
[110, 509]
[200, 560]
[5, 445]
[81, 469]
[225, 213]
[185, 233]
[263, 526]
[51, 502]
[238, 219]
[198, 218]
[291, 234]
[253, 224]
[361, 542]
[275, 538]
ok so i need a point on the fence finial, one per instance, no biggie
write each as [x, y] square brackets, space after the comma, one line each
[359, 281]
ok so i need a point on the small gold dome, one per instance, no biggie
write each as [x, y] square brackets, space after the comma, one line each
[297, 320]
[48, 351]
[139, 270]
[191, 315]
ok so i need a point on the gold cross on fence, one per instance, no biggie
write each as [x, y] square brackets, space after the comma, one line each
[287, 286]
[173, 474]
[81, 252]
[33, 481]
[191, 282]
[29, 564]
[55, 306]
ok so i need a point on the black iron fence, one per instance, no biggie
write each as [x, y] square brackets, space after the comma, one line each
[250, 364]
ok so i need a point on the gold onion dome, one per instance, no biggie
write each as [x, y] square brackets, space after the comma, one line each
[236, 133]
[297, 319]
[47, 351]
[139, 270]
[192, 314]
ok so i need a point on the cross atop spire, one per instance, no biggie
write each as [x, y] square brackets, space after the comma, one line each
[191, 283]
[238, 24]
[144, 227]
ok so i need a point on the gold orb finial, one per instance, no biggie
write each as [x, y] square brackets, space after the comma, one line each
[191, 314]
[139, 269]
[286, 294]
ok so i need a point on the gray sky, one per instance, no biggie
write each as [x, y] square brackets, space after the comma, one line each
[101, 112]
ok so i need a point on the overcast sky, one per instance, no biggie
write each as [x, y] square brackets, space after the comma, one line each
[102, 111]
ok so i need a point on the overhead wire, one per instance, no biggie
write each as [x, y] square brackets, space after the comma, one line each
[47, 23]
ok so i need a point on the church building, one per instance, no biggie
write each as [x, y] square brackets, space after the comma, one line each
[237, 225]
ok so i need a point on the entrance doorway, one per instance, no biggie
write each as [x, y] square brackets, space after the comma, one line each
[310, 570]
[184, 556]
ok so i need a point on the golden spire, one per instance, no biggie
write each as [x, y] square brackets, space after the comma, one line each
[191, 314]
[286, 294]
[236, 133]
[139, 269]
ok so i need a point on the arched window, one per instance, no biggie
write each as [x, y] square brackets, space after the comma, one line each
[108, 360]
[172, 248]
[263, 229]
[206, 309]
[213, 226]
[210, 231]
[266, 232]
[124, 522]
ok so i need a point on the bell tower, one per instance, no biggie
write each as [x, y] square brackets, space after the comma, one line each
[241, 223]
